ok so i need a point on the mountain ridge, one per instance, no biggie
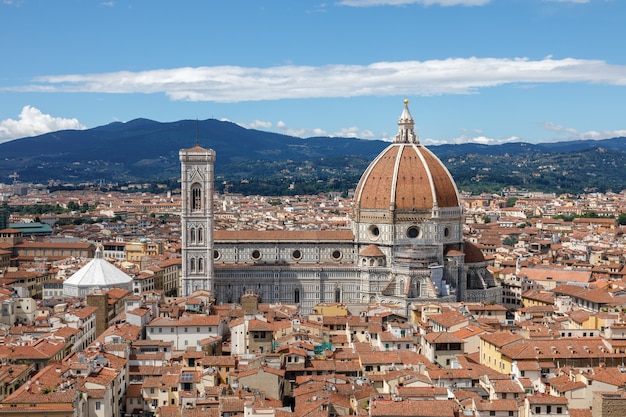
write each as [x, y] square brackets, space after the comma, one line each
[144, 150]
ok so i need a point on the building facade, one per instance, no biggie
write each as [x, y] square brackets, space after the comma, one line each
[405, 244]
[197, 219]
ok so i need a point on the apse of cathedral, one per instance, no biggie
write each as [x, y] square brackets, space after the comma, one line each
[405, 245]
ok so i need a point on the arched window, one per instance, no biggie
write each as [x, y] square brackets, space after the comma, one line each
[200, 265]
[196, 197]
[200, 235]
[296, 295]
[192, 235]
[192, 265]
[337, 295]
[418, 288]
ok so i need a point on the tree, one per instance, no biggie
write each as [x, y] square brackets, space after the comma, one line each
[567, 218]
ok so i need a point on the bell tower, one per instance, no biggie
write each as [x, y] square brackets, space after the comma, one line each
[197, 218]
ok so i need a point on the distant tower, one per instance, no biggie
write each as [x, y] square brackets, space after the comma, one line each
[197, 218]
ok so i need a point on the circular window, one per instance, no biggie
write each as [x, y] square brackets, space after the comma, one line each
[336, 255]
[374, 232]
[413, 232]
[216, 254]
[256, 254]
[296, 254]
[446, 232]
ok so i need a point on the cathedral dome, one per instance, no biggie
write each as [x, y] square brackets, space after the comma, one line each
[406, 176]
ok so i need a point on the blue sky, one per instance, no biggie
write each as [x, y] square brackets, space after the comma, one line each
[486, 71]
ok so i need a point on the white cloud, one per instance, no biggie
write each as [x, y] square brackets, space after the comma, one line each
[33, 122]
[282, 127]
[416, 78]
[260, 124]
[299, 132]
[603, 134]
[480, 139]
[552, 127]
[563, 134]
[319, 132]
[569, 133]
[445, 3]
[355, 132]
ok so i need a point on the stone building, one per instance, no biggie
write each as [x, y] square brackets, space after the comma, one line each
[405, 245]
[197, 218]
[97, 274]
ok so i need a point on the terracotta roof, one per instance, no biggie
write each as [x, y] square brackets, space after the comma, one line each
[539, 274]
[498, 405]
[442, 337]
[371, 250]
[579, 412]
[596, 295]
[260, 326]
[430, 408]
[134, 390]
[55, 245]
[608, 375]
[468, 331]
[501, 339]
[506, 385]
[448, 318]
[563, 383]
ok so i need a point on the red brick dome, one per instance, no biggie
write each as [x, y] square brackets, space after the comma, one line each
[473, 254]
[406, 176]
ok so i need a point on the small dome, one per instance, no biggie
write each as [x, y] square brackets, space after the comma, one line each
[472, 253]
[406, 176]
[371, 250]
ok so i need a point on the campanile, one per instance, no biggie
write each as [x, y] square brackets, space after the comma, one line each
[197, 219]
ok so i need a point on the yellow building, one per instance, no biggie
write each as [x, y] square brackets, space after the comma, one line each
[490, 346]
[137, 250]
[421, 312]
[331, 310]
[585, 320]
[532, 298]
